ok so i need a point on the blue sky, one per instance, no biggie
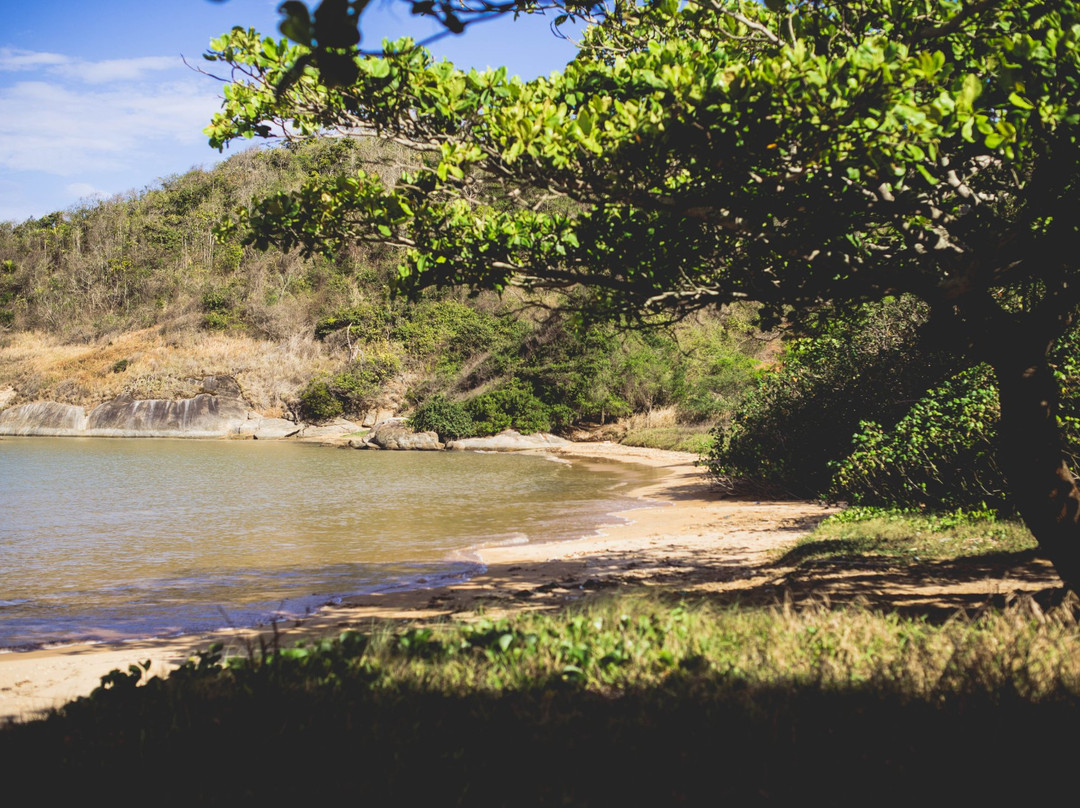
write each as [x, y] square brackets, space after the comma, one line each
[95, 99]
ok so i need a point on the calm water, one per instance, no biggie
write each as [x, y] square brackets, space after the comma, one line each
[112, 539]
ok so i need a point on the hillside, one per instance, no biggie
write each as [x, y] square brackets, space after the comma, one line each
[138, 295]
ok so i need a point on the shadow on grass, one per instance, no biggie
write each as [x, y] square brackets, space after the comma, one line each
[698, 741]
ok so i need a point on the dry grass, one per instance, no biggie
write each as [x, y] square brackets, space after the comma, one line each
[160, 363]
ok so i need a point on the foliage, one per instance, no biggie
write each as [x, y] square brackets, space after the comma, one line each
[711, 704]
[450, 419]
[369, 321]
[365, 377]
[512, 406]
[940, 455]
[318, 402]
[352, 390]
[857, 364]
[910, 537]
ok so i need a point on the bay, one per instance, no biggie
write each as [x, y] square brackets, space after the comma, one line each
[121, 539]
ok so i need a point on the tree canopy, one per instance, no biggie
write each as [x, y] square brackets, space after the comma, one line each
[705, 152]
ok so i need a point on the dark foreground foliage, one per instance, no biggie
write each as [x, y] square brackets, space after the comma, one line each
[628, 703]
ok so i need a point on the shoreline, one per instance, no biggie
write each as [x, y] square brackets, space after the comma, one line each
[681, 531]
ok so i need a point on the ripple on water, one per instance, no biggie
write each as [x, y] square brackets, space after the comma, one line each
[114, 539]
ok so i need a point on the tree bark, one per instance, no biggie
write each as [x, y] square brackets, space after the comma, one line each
[1031, 455]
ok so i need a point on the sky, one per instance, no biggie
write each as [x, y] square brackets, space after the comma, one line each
[95, 98]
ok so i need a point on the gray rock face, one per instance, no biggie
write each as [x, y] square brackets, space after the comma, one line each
[204, 416]
[394, 434]
[508, 440]
[225, 386]
[268, 428]
[43, 418]
[334, 430]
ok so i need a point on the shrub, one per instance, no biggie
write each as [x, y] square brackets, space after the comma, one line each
[448, 418]
[367, 321]
[365, 378]
[318, 402]
[865, 364]
[940, 455]
[513, 406]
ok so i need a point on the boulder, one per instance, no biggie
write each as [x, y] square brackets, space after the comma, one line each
[225, 386]
[334, 429]
[509, 440]
[394, 434]
[205, 416]
[270, 429]
[43, 418]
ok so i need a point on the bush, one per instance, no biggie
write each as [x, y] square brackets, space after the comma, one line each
[514, 406]
[940, 455]
[448, 418]
[318, 402]
[365, 378]
[865, 364]
[367, 321]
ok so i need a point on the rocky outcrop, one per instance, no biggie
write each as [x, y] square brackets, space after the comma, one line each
[394, 434]
[205, 416]
[336, 429]
[43, 418]
[217, 411]
[508, 440]
[261, 428]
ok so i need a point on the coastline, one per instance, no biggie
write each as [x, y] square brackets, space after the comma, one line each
[682, 532]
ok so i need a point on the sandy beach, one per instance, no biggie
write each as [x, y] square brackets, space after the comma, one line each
[686, 538]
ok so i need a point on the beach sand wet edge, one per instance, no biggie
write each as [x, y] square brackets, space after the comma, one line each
[684, 533]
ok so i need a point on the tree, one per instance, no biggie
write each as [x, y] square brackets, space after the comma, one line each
[700, 153]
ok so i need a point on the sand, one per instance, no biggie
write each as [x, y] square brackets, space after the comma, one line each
[687, 539]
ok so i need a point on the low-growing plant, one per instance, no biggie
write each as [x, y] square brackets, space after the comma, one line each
[906, 536]
[317, 402]
[513, 406]
[450, 419]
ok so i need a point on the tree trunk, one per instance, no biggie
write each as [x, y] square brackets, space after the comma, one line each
[1032, 458]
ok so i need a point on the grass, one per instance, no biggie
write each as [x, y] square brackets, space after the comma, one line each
[159, 364]
[629, 700]
[906, 537]
[687, 438]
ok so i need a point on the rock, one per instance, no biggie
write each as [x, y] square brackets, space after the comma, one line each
[509, 440]
[334, 429]
[205, 416]
[394, 434]
[225, 386]
[272, 429]
[43, 418]
[372, 417]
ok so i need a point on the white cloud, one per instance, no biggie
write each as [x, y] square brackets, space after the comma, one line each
[83, 190]
[110, 70]
[13, 59]
[61, 130]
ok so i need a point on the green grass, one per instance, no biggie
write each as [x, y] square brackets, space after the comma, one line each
[627, 701]
[690, 438]
[907, 537]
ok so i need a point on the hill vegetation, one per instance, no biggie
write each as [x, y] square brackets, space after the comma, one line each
[138, 294]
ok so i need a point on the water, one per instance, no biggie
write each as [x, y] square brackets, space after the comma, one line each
[120, 539]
